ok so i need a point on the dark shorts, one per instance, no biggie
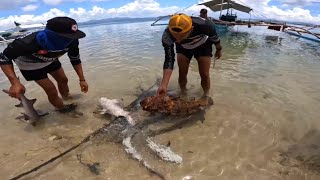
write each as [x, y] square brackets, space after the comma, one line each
[203, 50]
[38, 74]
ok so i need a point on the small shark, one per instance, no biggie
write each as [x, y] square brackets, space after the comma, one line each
[30, 115]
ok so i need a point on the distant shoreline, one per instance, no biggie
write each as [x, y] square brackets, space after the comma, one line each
[116, 20]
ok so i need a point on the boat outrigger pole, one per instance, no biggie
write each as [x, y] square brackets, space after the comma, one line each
[222, 1]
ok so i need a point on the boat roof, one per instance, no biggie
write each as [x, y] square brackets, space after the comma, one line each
[218, 5]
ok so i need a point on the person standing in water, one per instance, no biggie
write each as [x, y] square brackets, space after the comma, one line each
[193, 36]
[36, 55]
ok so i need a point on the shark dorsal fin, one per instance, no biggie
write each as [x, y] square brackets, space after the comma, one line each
[19, 105]
[33, 101]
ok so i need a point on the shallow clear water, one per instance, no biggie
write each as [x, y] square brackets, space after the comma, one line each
[266, 90]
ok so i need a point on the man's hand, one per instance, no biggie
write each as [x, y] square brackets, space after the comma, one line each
[16, 89]
[218, 54]
[84, 86]
[162, 91]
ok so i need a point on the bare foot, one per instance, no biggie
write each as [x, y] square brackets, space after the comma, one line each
[208, 99]
[67, 108]
[68, 97]
[183, 92]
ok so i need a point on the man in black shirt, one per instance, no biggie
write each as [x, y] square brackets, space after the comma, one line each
[193, 36]
[36, 54]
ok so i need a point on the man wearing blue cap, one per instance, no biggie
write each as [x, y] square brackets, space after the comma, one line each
[36, 55]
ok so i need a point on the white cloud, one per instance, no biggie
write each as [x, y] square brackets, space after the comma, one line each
[300, 3]
[57, 2]
[27, 19]
[151, 8]
[295, 14]
[30, 7]
[77, 13]
[262, 9]
[138, 8]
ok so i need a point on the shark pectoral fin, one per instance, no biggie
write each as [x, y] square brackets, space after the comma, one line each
[33, 101]
[26, 117]
[19, 105]
[23, 117]
[20, 117]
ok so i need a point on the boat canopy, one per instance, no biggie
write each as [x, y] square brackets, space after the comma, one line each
[218, 5]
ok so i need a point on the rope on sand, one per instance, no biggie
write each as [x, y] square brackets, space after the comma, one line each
[86, 139]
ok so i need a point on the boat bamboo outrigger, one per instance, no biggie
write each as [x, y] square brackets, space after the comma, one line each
[230, 19]
[303, 32]
[11, 34]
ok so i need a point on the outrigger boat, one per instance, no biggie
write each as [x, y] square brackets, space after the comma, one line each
[229, 19]
[225, 22]
[9, 35]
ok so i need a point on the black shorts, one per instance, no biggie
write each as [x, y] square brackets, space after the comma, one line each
[203, 50]
[38, 74]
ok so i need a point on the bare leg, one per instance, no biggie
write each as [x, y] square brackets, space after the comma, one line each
[51, 92]
[204, 67]
[62, 82]
[183, 63]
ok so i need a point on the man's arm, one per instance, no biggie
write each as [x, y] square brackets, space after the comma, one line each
[18, 47]
[214, 37]
[7, 67]
[168, 64]
[74, 56]
[9, 72]
[79, 71]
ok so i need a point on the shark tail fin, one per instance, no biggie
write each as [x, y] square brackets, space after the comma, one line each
[23, 117]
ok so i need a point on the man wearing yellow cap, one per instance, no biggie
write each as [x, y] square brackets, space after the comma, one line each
[193, 36]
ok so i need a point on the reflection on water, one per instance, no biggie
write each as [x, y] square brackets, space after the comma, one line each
[266, 91]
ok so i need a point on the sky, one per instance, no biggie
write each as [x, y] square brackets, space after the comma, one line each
[39, 11]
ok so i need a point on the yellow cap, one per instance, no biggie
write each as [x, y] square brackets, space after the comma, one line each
[180, 23]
